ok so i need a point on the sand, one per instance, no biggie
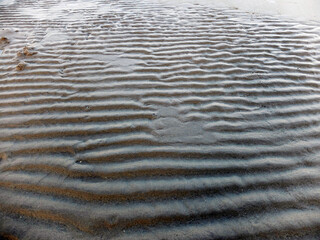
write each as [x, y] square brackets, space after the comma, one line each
[159, 119]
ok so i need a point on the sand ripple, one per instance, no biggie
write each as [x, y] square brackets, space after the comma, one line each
[145, 120]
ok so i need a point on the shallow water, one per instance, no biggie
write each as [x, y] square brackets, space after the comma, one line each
[152, 120]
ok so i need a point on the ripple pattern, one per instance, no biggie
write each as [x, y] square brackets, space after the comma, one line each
[142, 120]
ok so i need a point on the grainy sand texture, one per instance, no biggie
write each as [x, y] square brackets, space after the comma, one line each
[159, 120]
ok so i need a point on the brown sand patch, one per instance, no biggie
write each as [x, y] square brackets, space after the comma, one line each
[4, 40]
[26, 52]
[7, 236]
[3, 156]
[21, 66]
[45, 215]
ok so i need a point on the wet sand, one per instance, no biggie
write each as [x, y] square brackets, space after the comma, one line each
[156, 120]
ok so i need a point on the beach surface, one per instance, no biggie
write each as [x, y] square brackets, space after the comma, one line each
[159, 119]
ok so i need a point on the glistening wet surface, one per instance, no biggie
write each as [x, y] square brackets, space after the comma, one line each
[145, 120]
